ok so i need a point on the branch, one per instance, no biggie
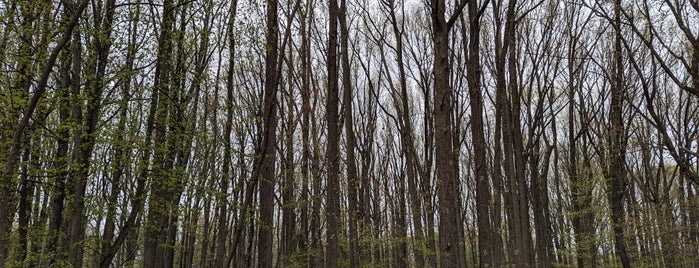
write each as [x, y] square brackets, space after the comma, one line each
[457, 12]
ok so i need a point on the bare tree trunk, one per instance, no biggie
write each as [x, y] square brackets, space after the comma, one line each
[366, 160]
[524, 238]
[305, 91]
[222, 237]
[350, 139]
[508, 110]
[451, 244]
[332, 150]
[405, 129]
[616, 184]
[288, 187]
[489, 243]
[120, 161]
[268, 149]
[317, 196]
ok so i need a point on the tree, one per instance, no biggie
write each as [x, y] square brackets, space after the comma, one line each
[616, 183]
[508, 112]
[350, 139]
[7, 188]
[266, 171]
[489, 243]
[228, 129]
[332, 154]
[451, 244]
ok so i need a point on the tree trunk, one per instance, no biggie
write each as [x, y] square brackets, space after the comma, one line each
[489, 244]
[268, 149]
[616, 184]
[155, 234]
[85, 140]
[332, 151]
[350, 139]
[111, 244]
[306, 200]
[222, 237]
[451, 243]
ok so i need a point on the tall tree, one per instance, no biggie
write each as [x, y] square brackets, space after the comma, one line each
[84, 140]
[616, 183]
[451, 244]
[267, 153]
[404, 124]
[489, 241]
[581, 187]
[228, 129]
[350, 138]
[112, 243]
[508, 121]
[155, 235]
[332, 153]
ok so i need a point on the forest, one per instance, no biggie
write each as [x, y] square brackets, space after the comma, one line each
[349, 133]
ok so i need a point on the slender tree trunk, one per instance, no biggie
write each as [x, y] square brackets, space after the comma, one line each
[268, 149]
[23, 209]
[119, 163]
[98, 63]
[489, 245]
[616, 184]
[405, 127]
[109, 247]
[317, 193]
[350, 139]
[366, 166]
[508, 110]
[288, 187]
[61, 164]
[332, 150]
[305, 92]
[228, 129]
[75, 197]
[523, 234]
[155, 233]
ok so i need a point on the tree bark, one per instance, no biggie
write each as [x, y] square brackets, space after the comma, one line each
[332, 150]
[350, 139]
[489, 243]
[268, 149]
[451, 244]
[616, 184]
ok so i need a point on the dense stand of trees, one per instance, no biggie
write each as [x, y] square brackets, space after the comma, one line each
[350, 133]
